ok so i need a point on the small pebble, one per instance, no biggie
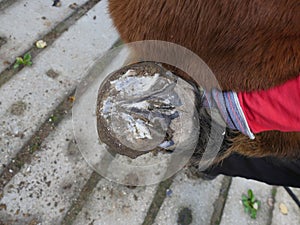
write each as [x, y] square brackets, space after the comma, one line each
[28, 169]
[56, 3]
[270, 202]
[169, 192]
[73, 6]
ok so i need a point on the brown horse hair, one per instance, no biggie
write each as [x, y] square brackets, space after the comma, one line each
[249, 45]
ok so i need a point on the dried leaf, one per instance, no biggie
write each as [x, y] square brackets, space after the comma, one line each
[255, 205]
[41, 44]
[72, 98]
[283, 209]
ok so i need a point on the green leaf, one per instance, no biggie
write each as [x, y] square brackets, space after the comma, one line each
[253, 213]
[244, 198]
[27, 57]
[246, 204]
[16, 65]
[19, 60]
[251, 205]
[250, 194]
[29, 63]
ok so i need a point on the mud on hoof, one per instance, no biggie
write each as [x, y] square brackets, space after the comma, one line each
[145, 108]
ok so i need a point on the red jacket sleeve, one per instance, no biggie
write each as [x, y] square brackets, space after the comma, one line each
[273, 109]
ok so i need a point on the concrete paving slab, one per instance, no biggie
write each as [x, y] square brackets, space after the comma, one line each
[190, 201]
[1, 1]
[234, 210]
[36, 94]
[293, 215]
[44, 190]
[6, 3]
[114, 204]
[26, 21]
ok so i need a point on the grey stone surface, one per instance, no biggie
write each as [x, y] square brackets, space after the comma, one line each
[234, 210]
[70, 56]
[293, 215]
[113, 204]
[22, 24]
[45, 189]
[197, 195]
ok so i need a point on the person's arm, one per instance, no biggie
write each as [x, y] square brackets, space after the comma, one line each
[275, 109]
[257, 111]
